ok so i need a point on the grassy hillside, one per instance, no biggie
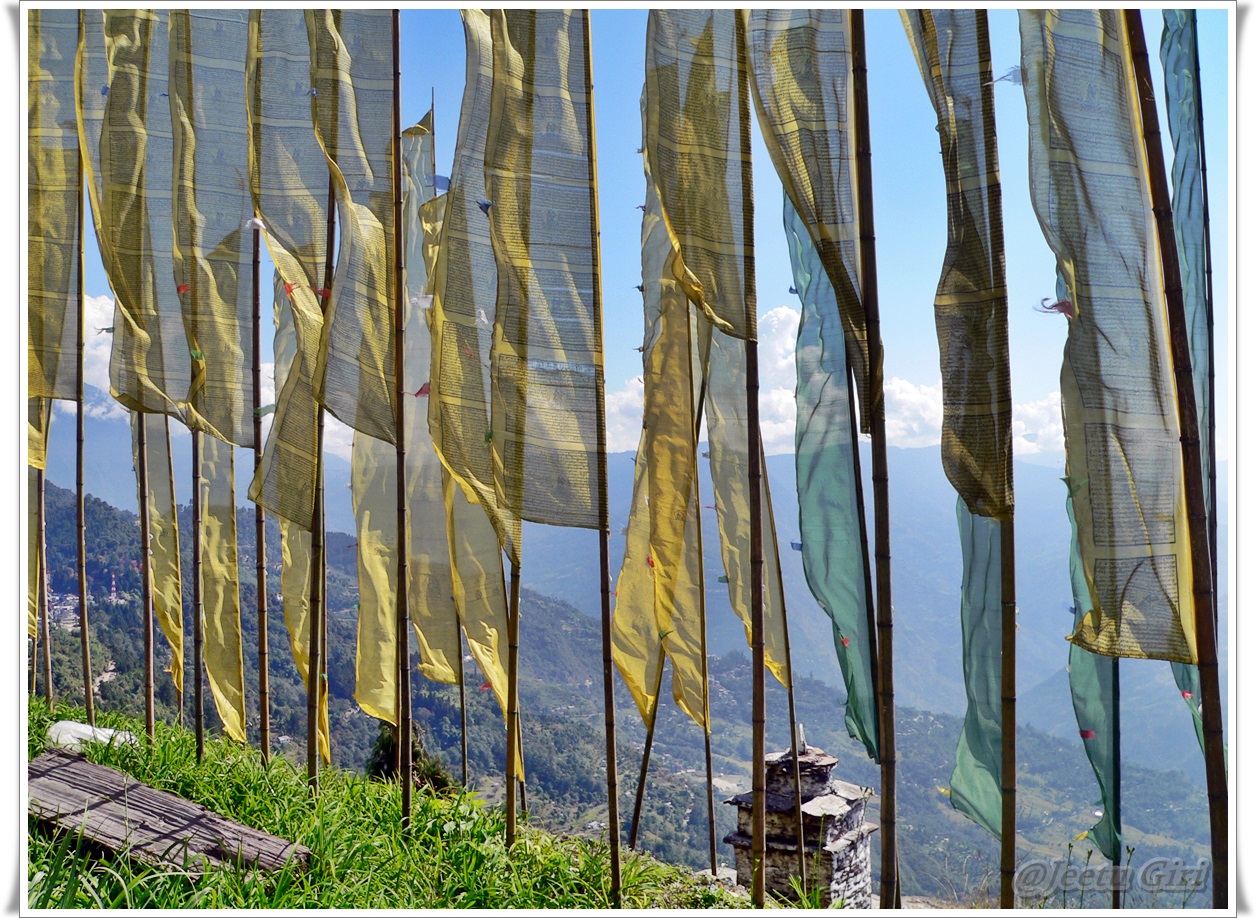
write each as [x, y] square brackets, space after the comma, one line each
[452, 856]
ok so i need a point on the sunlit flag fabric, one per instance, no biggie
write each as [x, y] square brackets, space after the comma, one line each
[834, 555]
[697, 139]
[952, 49]
[1092, 680]
[163, 535]
[1179, 55]
[34, 553]
[1089, 184]
[803, 91]
[431, 594]
[352, 76]
[212, 255]
[479, 588]
[220, 574]
[695, 80]
[295, 540]
[547, 381]
[289, 181]
[54, 192]
[659, 597]
[130, 153]
[38, 416]
[464, 301]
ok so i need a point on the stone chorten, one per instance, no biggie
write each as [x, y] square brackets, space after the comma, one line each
[836, 838]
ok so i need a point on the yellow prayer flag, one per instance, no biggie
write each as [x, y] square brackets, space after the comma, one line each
[698, 142]
[289, 181]
[163, 535]
[220, 590]
[34, 554]
[464, 301]
[804, 93]
[352, 96]
[548, 457]
[294, 582]
[54, 195]
[212, 255]
[1116, 386]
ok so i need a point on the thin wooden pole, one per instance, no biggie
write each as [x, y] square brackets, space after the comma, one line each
[706, 684]
[198, 624]
[42, 587]
[604, 533]
[1188, 422]
[462, 708]
[80, 515]
[1212, 363]
[890, 892]
[399, 365]
[1116, 772]
[758, 689]
[512, 703]
[318, 554]
[146, 570]
[645, 754]
[758, 766]
[699, 408]
[259, 516]
[1007, 764]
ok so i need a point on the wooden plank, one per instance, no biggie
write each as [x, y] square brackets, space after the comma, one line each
[69, 793]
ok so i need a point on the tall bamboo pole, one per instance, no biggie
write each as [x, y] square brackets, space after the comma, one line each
[462, 707]
[512, 703]
[699, 407]
[259, 516]
[706, 682]
[758, 845]
[80, 516]
[604, 533]
[1212, 363]
[1116, 771]
[318, 553]
[645, 754]
[890, 892]
[1007, 763]
[399, 364]
[198, 624]
[42, 587]
[146, 570]
[1188, 422]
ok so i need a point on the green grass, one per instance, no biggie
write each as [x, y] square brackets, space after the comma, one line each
[453, 855]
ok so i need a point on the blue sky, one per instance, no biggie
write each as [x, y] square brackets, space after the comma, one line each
[910, 223]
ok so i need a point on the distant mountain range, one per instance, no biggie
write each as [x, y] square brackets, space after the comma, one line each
[562, 562]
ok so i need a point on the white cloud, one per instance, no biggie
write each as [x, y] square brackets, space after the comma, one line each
[337, 437]
[1037, 427]
[624, 411]
[96, 343]
[913, 413]
[778, 378]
